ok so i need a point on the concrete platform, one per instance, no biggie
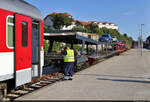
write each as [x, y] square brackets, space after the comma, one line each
[125, 77]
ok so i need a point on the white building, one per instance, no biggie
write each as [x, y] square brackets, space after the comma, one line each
[69, 27]
[106, 24]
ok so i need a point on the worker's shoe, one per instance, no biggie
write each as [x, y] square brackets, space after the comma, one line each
[65, 78]
[71, 78]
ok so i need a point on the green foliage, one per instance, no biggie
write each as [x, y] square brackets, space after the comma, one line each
[46, 46]
[125, 35]
[148, 38]
[60, 20]
[46, 29]
[56, 46]
[80, 29]
[77, 47]
[59, 46]
[99, 31]
[92, 27]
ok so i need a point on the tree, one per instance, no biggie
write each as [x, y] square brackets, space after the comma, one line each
[60, 20]
[99, 31]
[92, 27]
[46, 46]
[125, 35]
[79, 29]
[46, 29]
[148, 38]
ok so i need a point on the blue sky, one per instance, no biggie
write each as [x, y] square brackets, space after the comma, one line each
[127, 14]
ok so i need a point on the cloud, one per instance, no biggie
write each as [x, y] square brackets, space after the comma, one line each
[129, 13]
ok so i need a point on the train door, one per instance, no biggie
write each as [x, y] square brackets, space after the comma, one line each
[35, 48]
[23, 51]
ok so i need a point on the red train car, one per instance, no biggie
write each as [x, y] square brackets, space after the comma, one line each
[21, 42]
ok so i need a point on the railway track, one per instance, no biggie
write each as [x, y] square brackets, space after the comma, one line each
[45, 81]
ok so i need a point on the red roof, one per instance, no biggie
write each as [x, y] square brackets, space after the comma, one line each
[52, 13]
[92, 21]
[74, 21]
[68, 14]
[83, 23]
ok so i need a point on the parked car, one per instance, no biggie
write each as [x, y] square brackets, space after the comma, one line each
[114, 39]
[105, 38]
[123, 42]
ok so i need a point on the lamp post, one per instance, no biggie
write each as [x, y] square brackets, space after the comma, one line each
[141, 40]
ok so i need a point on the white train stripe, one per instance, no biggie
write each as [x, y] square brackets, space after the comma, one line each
[6, 63]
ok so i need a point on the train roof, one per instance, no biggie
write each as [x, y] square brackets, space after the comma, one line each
[21, 7]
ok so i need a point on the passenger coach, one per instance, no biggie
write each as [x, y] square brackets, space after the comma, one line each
[21, 42]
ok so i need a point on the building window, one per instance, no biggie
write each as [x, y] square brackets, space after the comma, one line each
[10, 31]
[24, 34]
[89, 36]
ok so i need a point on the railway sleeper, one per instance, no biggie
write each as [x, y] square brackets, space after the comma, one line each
[52, 80]
[35, 86]
[20, 92]
[11, 96]
[55, 78]
[48, 78]
[41, 84]
[45, 82]
[28, 89]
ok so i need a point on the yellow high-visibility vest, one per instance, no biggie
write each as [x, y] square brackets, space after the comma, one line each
[69, 57]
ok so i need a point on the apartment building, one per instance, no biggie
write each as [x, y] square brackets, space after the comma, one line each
[108, 25]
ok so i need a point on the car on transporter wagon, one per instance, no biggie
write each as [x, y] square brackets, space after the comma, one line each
[22, 43]
[114, 39]
[106, 38]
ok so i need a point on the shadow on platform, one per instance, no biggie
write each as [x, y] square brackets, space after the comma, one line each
[136, 77]
[119, 78]
[124, 80]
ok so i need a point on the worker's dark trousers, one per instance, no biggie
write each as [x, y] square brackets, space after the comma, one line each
[69, 69]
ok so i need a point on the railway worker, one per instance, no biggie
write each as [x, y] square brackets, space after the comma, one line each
[69, 60]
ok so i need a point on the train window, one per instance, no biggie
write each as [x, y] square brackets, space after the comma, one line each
[24, 34]
[10, 31]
